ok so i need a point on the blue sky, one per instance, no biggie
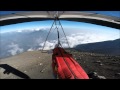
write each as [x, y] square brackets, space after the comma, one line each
[110, 13]
[38, 24]
[48, 23]
[78, 33]
[67, 25]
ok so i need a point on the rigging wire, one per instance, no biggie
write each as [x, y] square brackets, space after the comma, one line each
[64, 33]
[48, 34]
[55, 22]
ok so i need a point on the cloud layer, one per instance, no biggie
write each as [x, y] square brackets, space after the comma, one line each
[14, 49]
[30, 41]
[76, 39]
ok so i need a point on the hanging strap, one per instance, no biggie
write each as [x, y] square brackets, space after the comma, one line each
[54, 22]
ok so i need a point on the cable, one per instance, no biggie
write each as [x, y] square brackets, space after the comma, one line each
[62, 30]
[59, 44]
[55, 22]
[48, 34]
[64, 33]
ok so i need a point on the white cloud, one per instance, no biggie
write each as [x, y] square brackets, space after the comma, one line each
[83, 38]
[25, 30]
[76, 39]
[73, 39]
[33, 29]
[14, 49]
[38, 40]
[30, 49]
[48, 45]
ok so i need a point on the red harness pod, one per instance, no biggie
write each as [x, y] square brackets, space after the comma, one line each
[65, 67]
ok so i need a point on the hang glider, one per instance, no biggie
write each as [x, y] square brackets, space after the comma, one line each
[28, 16]
[64, 65]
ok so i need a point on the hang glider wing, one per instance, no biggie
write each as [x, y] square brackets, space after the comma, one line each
[28, 16]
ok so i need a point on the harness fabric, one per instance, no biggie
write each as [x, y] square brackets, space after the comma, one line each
[65, 67]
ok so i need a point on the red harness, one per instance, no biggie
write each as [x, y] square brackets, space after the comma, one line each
[65, 67]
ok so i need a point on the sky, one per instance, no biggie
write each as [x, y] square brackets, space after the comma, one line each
[110, 13]
[47, 24]
[80, 33]
[40, 24]
[67, 25]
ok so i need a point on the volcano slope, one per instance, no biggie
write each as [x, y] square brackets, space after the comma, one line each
[37, 65]
[104, 65]
[27, 65]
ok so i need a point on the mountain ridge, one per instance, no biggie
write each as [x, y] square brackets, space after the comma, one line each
[111, 47]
